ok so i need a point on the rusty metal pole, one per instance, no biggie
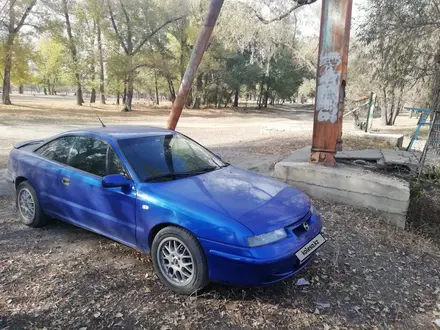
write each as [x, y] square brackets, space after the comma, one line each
[194, 62]
[331, 80]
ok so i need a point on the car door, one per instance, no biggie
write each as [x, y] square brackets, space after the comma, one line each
[46, 172]
[108, 211]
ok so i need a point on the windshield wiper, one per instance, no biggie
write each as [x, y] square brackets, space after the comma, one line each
[181, 174]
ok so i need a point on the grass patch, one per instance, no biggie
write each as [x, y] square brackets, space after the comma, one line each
[363, 142]
[424, 210]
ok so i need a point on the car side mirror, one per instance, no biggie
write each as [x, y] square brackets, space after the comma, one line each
[115, 180]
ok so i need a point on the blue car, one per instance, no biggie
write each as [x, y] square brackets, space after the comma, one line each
[162, 193]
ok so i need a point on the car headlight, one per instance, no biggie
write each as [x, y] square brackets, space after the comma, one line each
[267, 238]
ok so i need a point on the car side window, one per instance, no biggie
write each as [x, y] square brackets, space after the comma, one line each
[114, 164]
[57, 150]
[89, 155]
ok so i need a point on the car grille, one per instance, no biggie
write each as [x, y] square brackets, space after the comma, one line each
[298, 227]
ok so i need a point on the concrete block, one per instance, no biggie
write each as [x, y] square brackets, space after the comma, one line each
[349, 185]
[396, 140]
[399, 157]
[367, 154]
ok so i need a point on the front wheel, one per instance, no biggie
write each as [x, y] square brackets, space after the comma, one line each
[179, 260]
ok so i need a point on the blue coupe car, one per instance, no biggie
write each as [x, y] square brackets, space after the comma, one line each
[160, 192]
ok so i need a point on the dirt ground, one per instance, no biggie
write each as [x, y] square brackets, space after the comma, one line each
[368, 276]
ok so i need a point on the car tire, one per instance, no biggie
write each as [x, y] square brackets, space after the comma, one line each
[28, 206]
[179, 260]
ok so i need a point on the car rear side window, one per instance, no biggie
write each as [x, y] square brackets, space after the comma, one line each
[57, 150]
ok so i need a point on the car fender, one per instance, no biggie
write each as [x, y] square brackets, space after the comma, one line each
[202, 222]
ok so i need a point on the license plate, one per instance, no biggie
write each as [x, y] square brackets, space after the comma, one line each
[310, 247]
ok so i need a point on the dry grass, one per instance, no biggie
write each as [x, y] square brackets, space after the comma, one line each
[424, 212]
[362, 142]
[370, 273]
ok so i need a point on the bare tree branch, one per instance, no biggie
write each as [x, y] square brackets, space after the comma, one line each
[144, 65]
[25, 15]
[299, 4]
[156, 30]
[118, 34]
[129, 43]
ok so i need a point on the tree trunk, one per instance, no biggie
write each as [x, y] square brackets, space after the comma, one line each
[266, 97]
[157, 89]
[129, 90]
[384, 108]
[20, 89]
[101, 64]
[73, 53]
[237, 94]
[266, 93]
[183, 48]
[79, 96]
[172, 90]
[260, 97]
[12, 32]
[228, 98]
[93, 96]
[205, 92]
[199, 86]
[124, 93]
[216, 98]
[8, 67]
[118, 95]
[45, 90]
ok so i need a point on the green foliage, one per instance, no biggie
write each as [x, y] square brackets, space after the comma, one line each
[22, 55]
[286, 75]
[144, 46]
[431, 174]
[50, 61]
[240, 71]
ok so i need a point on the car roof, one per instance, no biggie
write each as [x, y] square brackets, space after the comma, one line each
[121, 132]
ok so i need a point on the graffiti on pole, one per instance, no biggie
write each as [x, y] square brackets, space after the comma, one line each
[329, 81]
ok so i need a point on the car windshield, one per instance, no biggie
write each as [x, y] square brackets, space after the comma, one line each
[168, 157]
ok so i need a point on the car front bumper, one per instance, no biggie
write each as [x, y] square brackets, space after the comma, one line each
[261, 265]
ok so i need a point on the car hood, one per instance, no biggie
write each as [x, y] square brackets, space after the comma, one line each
[257, 202]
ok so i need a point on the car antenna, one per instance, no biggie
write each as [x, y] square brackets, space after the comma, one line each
[103, 125]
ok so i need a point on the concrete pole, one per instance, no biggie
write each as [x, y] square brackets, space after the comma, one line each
[194, 62]
[331, 80]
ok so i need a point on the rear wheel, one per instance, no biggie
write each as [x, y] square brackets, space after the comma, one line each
[179, 260]
[29, 207]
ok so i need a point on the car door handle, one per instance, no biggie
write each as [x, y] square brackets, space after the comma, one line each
[65, 181]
